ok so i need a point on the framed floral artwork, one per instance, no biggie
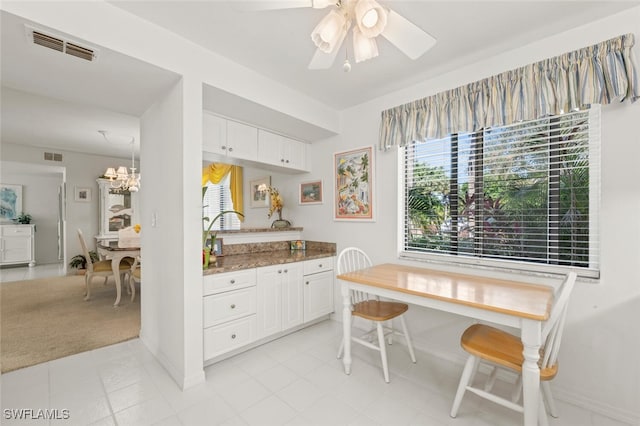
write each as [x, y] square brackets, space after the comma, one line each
[259, 190]
[82, 195]
[310, 192]
[353, 186]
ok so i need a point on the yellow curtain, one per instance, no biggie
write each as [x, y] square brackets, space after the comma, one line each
[215, 172]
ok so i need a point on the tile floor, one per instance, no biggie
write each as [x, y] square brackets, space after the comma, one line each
[295, 380]
[20, 273]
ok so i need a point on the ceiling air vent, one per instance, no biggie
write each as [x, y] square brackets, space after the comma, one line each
[52, 156]
[59, 44]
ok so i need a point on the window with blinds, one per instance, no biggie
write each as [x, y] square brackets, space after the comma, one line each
[523, 196]
[218, 199]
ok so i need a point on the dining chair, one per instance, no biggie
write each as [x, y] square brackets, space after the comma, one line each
[101, 268]
[370, 307]
[502, 350]
[135, 276]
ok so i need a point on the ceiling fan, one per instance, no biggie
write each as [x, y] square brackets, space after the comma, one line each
[369, 20]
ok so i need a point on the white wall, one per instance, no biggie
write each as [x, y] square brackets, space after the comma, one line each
[599, 359]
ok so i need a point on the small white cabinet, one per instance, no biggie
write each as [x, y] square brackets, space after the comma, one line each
[281, 151]
[318, 288]
[279, 298]
[229, 138]
[17, 244]
[118, 210]
[229, 311]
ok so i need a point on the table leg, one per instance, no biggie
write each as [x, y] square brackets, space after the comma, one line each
[115, 267]
[346, 327]
[531, 340]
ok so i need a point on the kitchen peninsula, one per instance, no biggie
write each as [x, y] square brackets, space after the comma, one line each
[260, 291]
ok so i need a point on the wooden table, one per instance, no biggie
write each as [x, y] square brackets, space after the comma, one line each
[116, 254]
[510, 303]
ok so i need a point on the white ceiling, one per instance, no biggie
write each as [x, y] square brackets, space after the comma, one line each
[54, 100]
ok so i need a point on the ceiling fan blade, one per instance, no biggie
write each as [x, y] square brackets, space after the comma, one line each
[322, 60]
[412, 40]
[257, 5]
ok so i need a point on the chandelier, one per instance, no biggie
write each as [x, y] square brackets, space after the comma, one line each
[121, 178]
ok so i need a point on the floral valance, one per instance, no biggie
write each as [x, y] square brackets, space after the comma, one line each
[598, 74]
[215, 172]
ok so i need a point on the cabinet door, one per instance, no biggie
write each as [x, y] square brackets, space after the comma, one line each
[214, 134]
[269, 148]
[318, 295]
[269, 312]
[294, 154]
[292, 295]
[242, 141]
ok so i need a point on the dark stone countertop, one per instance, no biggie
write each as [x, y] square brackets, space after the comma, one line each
[237, 262]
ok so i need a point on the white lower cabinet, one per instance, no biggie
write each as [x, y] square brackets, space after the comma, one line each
[318, 288]
[17, 244]
[279, 298]
[242, 307]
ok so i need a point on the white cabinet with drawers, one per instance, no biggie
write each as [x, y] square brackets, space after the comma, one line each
[17, 244]
[229, 311]
[250, 306]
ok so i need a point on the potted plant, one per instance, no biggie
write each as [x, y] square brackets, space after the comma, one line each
[206, 231]
[79, 261]
[23, 218]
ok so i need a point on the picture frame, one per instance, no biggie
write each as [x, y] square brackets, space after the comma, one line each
[82, 194]
[11, 199]
[310, 193]
[353, 185]
[217, 247]
[298, 245]
[259, 196]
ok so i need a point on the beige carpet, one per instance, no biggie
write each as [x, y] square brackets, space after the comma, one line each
[47, 318]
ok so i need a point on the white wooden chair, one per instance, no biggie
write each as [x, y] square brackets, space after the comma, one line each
[135, 276]
[502, 350]
[101, 268]
[370, 307]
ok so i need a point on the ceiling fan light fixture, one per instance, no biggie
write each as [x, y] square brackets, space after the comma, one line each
[364, 48]
[329, 31]
[371, 18]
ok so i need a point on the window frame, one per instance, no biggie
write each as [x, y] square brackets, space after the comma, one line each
[516, 266]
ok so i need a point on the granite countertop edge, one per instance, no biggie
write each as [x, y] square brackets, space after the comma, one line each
[255, 260]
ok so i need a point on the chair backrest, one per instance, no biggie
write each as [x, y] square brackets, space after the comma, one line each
[85, 251]
[352, 259]
[552, 330]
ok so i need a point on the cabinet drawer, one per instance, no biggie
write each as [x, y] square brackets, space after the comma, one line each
[229, 336]
[12, 231]
[228, 306]
[217, 283]
[318, 265]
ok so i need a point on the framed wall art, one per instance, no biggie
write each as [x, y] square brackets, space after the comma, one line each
[259, 192]
[10, 201]
[82, 194]
[353, 186]
[310, 192]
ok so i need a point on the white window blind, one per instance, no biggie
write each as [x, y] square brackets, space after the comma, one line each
[218, 199]
[523, 196]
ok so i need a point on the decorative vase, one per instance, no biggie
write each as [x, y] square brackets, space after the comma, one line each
[281, 223]
[206, 258]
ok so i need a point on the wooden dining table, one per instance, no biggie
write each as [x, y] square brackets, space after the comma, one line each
[112, 250]
[510, 303]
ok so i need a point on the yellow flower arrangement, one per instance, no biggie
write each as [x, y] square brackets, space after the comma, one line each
[137, 228]
[277, 203]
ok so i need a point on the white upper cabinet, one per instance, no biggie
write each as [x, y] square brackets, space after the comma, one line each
[281, 151]
[229, 138]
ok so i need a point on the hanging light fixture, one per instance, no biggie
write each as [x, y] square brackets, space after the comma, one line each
[371, 18]
[330, 32]
[121, 178]
[363, 48]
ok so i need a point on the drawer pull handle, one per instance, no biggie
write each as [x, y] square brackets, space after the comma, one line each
[320, 265]
[233, 336]
[279, 271]
[233, 281]
[286, 270]
[223, 147]
[230, 149]
[307, 283]
[233, 306]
